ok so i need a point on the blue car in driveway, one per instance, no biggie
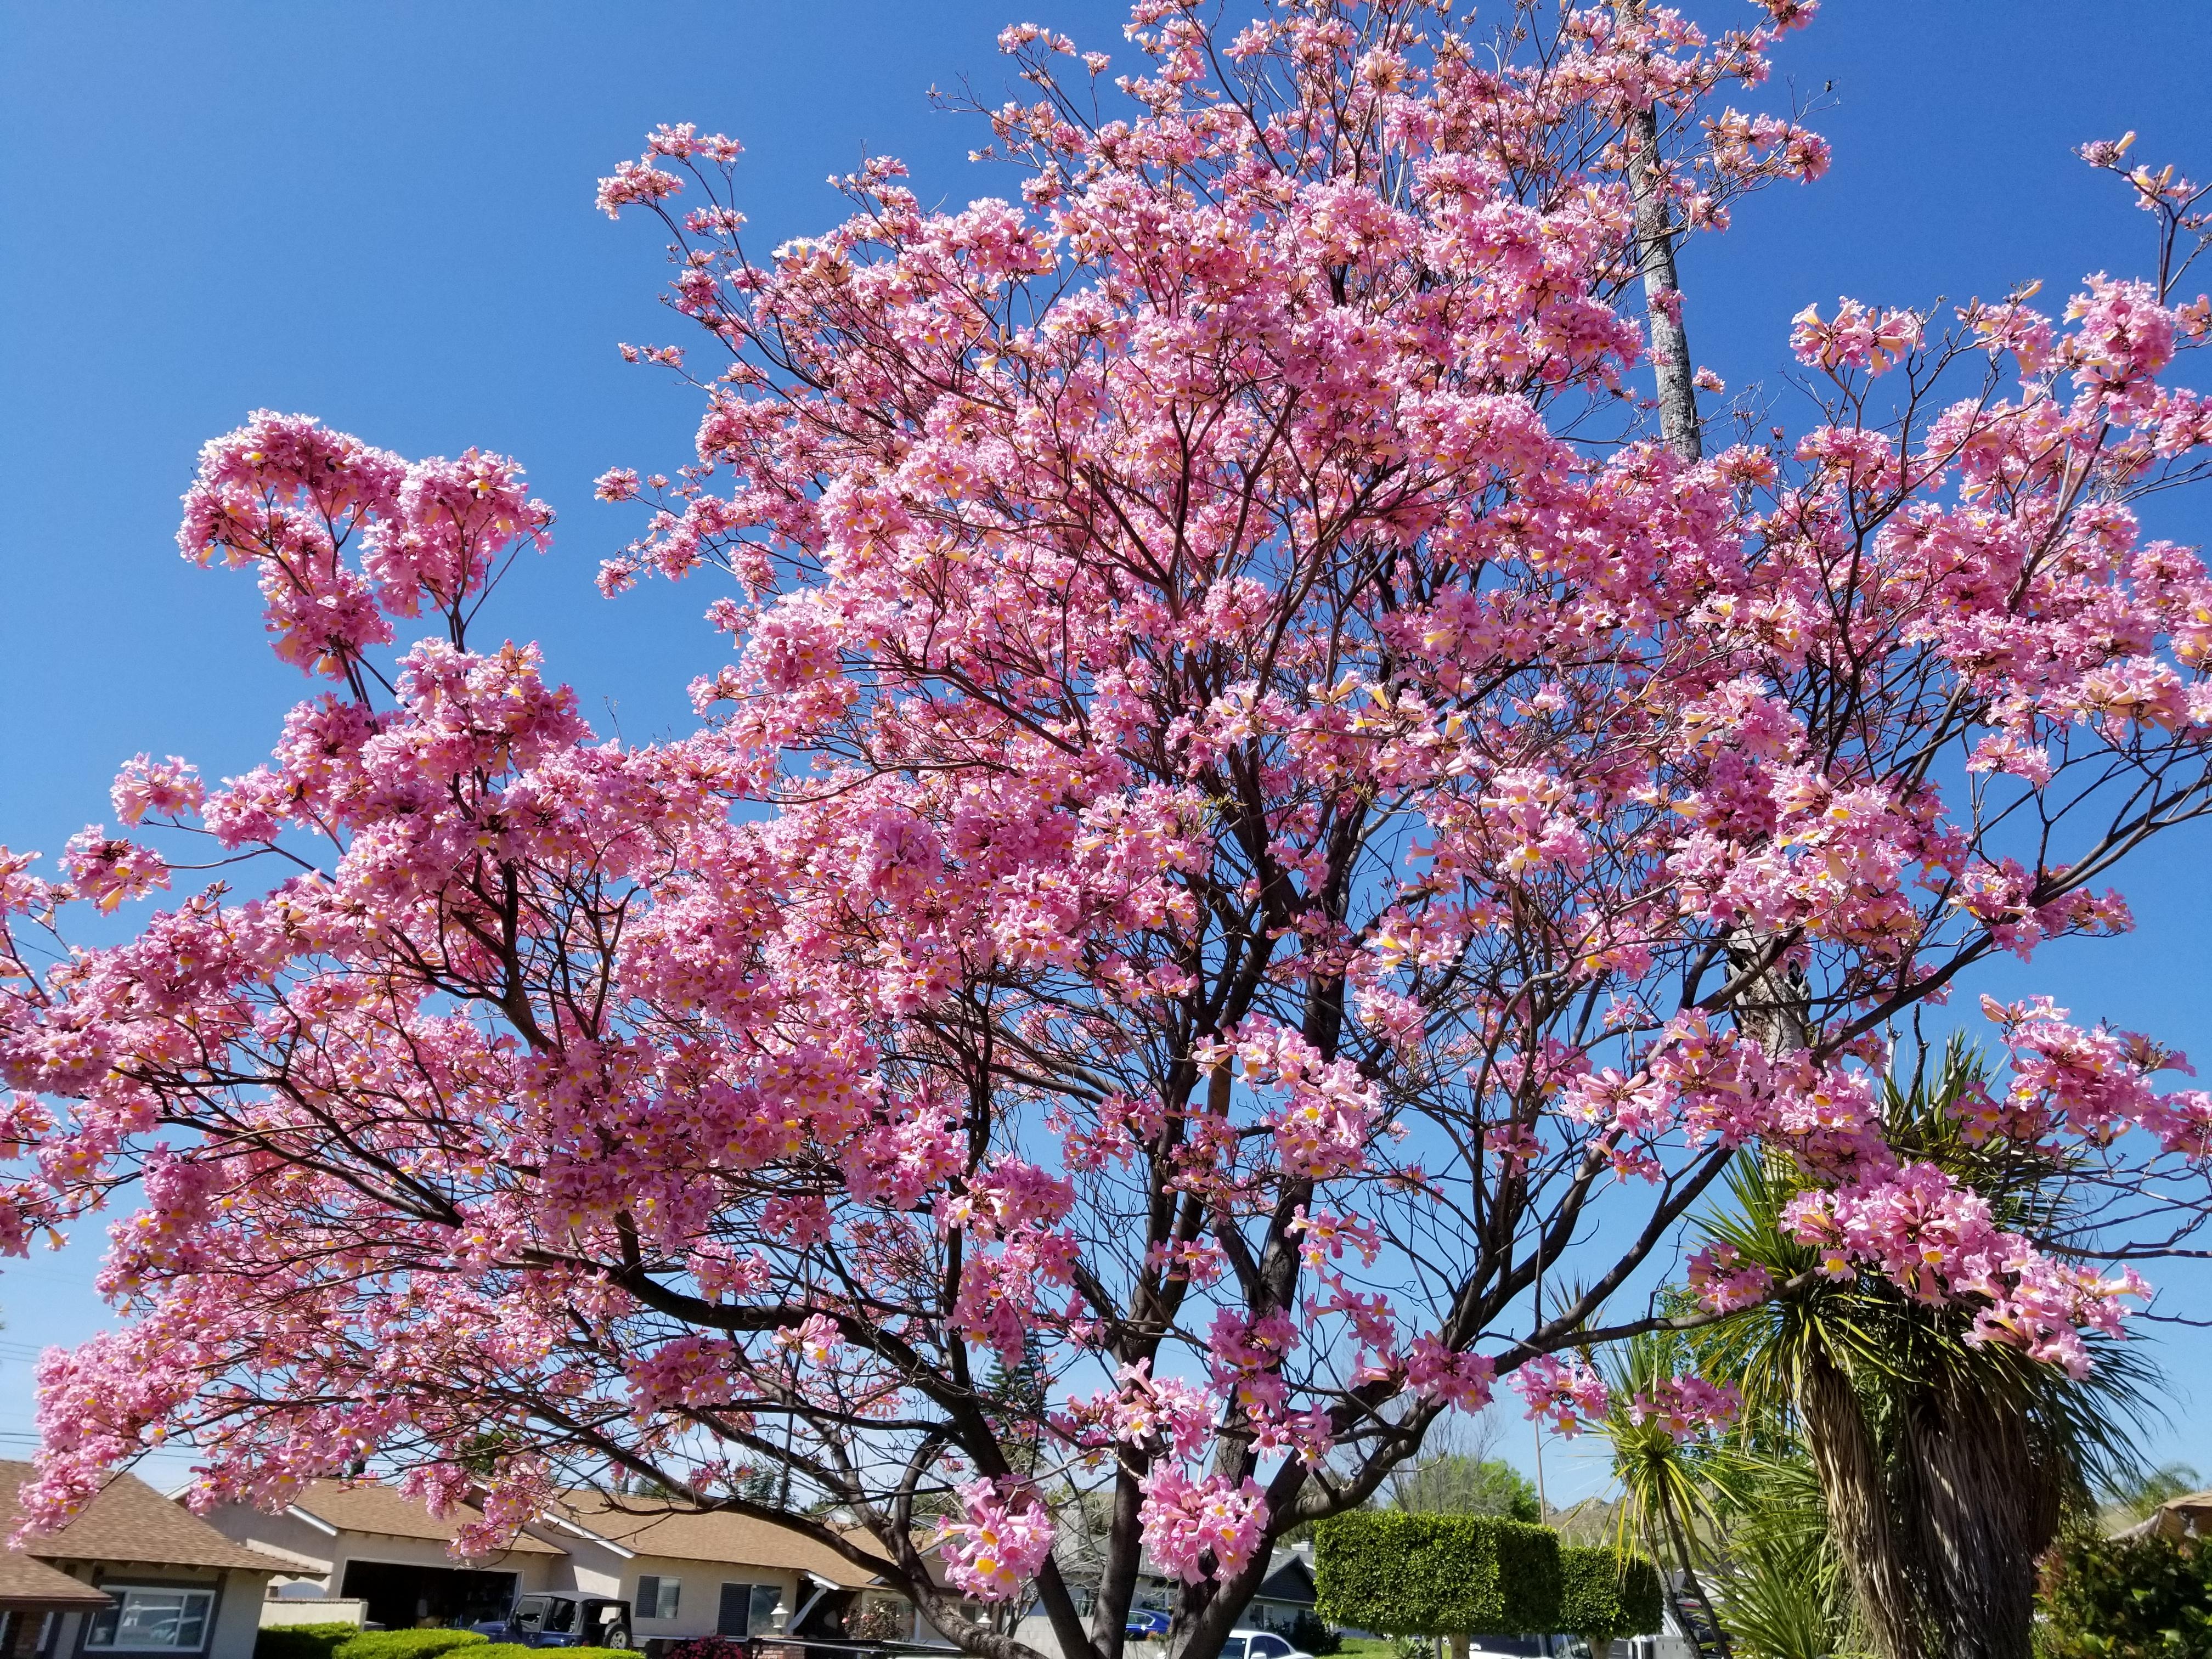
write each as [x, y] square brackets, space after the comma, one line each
[1147, 1623]
[539, 1620]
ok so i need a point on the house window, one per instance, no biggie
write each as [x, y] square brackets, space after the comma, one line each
[148, 1620]
[657, 1598]
[748, 1609]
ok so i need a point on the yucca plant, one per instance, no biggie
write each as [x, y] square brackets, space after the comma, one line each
[1944, 1465]
[1783, 1589]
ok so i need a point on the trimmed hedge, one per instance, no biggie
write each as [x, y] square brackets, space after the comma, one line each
[1605, 1595]
[1435, 1574]
[406, 1644]
[517, 1651]
[302, 1641]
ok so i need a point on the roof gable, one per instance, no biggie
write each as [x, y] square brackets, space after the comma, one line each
[657, 1526]
[372, 1506]
[128, 1521]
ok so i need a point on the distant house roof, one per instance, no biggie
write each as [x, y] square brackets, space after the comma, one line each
[2187, 1516]
[129, 1521]
[653, 1526]
[1289, 1578]
[636, 1525]
[369, 1506]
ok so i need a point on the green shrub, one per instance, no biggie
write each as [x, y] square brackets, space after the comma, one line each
[406, 1644]
[1435, 1574]
[302, 1641]
[1606, 1595]
[2129, 1598]
[1309, 1634]
[517, 1651]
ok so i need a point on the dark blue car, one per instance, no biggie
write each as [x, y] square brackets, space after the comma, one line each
[539, 1620]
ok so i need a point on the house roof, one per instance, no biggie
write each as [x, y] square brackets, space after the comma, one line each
[2178, 1518]
[1289, 1578]
[369, 1506]
[129, 1521]
[30, 1586]
[652, 1526]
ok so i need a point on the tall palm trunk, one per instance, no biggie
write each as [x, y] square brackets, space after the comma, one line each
[1851, 1471]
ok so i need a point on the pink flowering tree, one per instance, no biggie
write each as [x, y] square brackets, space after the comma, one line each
[1254, 814]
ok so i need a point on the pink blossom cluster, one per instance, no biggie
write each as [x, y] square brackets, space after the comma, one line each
[1857, 336]
[1201, 1530]
[1150, 1414]
[1937, 1240]
[167, 789]
[1724, 1282]
[1248, 1355]
[997, 1542]
[1328, 1111]
[1687, 1407]
[285, 495]
[2094, 1083]
[1565, 1395]
[1436, 1372]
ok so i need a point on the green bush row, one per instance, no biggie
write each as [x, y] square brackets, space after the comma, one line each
[1435, 1575]
[302, 1641]
[1605, 1597]
[1459, 1575]
[351, 1641]
[408, 1644]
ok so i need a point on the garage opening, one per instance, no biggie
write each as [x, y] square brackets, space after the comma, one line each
[404, 1597]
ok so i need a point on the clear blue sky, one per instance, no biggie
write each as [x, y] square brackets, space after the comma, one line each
[381, 214]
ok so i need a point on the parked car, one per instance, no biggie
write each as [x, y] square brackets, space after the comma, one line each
[540, 1620]
[1258, 1644]
[1147, 1623]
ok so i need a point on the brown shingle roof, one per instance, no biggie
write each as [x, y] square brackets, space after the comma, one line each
[129, 1522]
[652, 1527]
[366, 1506]
[29, 1586]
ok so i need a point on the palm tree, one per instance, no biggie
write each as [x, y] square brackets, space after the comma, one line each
[1944, 1465]
[1672, 1495]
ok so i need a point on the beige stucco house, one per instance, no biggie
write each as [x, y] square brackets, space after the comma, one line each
[683, 1574]
[133, 1577]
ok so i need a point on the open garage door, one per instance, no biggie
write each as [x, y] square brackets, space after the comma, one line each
[403, 1597]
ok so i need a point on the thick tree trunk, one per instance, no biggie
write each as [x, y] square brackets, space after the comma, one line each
[1117, 1581]
[1989, 1507]
[1850, 1468]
